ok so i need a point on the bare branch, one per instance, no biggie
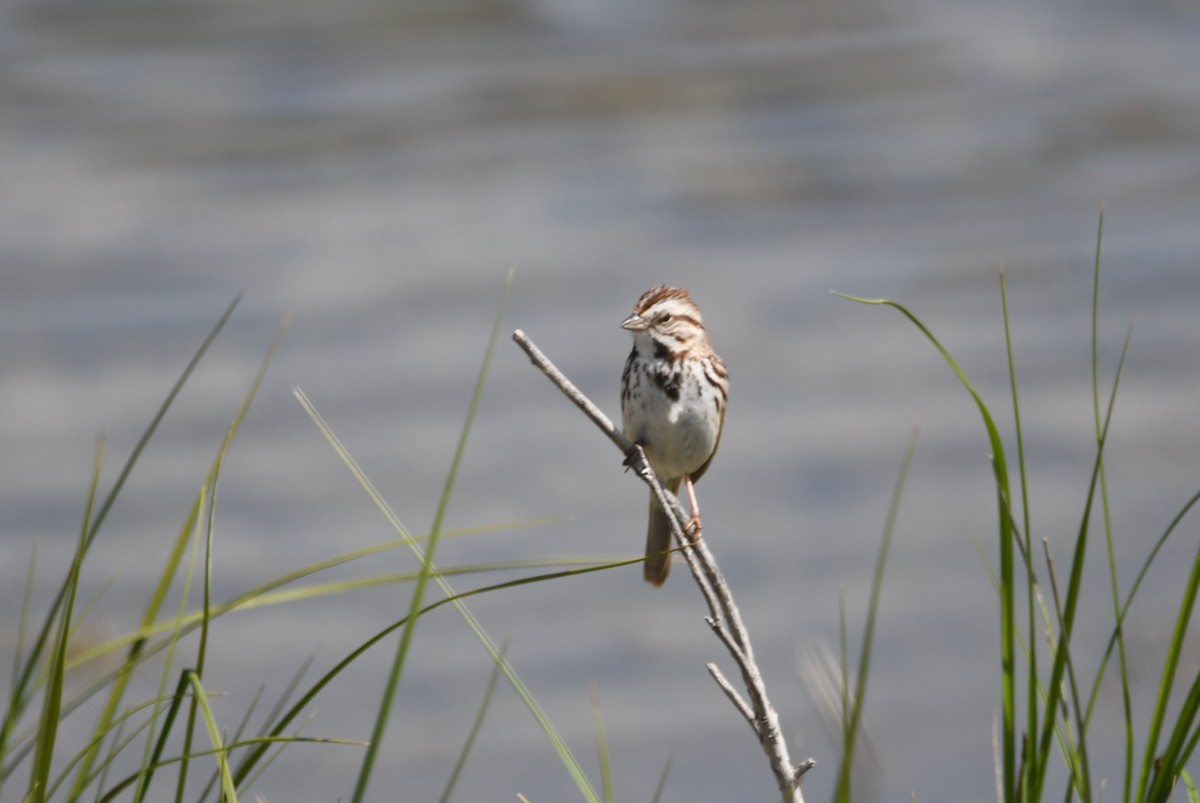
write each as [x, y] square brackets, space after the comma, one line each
[733, 695]
[734, 648]
[571, 392]
[724, 618]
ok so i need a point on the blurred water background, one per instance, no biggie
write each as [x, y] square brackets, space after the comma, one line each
[374, 169]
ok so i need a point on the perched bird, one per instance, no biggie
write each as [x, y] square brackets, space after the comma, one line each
[673, 394]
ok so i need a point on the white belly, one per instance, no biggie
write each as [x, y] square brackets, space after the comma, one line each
[678, 436]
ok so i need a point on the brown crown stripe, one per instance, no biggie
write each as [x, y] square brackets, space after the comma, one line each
[660, 293]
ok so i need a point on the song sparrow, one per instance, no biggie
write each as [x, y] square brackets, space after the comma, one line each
[673, 395]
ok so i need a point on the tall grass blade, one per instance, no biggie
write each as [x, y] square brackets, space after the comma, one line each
[1190, 785]
[52, 700]
[1030, 768]
[1009, 741]
[1071, 602]
[662, 779]
[455, 599]
[192, 525]
[1173, 760]
[214, 735]
[196, 674]
[1159, 766]
[118, 742]
[22, 625]
[133, 656]
[606, 783]
[418, 594]
[260, 597]
[842, 793]
[17, 700]
[7, 763]
[146, 776]
[844, 656]
[476, 727]
[1073, 745]
[215, 777]
[1126, 701]
[1137, 584]
[213, 482]
[517, 684]
[131, 779]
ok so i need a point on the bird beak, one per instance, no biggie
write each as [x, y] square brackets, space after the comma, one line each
[635, 323]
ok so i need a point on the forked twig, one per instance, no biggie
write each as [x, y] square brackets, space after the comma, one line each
[724, 617]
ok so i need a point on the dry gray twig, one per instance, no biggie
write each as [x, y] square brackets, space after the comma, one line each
[724, 617]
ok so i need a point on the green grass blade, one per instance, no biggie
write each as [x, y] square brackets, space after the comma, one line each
[280, 704]
[522, 691]
[133, 656]
[1010, 747]
[1062, 736]
[476, 727]
[260, 595]
[842, 793]
[149, 752]
[1126, 701]
[213, 484]
[844, 663]
[15, 706]
[22, 624]
[146, 776]
[259, 598]
[1173, 759]
[454, 599]
[265, 731]
[1158, 766]
[52, 700]
[158, 417]
[418, 594]
[214, 735]
[606, 784]
[197, 673]
[1070, 604]
[564, 752]
[1190, 785]
[1030, 767]
[215, 778]
[131, 779]
[662, 779]
[1075, 750]
[1137, 583]
[116, 744]
[119, 743]
[25, 677]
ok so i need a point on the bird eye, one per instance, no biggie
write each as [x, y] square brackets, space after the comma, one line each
[664, 317]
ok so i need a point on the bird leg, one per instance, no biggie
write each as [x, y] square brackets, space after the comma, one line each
[693, 525]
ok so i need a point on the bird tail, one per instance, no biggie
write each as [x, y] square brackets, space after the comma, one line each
[658, 541]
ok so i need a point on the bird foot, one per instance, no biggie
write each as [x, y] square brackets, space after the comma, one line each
[631, 456]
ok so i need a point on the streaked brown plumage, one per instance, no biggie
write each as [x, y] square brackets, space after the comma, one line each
[673, 395]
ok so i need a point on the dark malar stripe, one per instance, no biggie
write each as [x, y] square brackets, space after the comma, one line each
[663, 350]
